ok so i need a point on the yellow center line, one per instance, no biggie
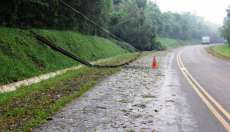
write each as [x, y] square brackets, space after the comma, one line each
[218, 105]
[198, 88]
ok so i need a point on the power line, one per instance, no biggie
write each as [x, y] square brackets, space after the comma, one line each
[77, 58]
[91, 21]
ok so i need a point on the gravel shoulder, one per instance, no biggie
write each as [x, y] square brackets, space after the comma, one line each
[137, 98]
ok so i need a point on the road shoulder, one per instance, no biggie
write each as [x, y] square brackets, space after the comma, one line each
[137, 98]
[216, 51]
[33, 105]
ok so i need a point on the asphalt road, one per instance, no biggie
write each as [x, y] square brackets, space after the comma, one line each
[212, 75]
[138, 98]
[189, 92]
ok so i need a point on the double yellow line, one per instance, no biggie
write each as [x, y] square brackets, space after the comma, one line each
[218, 111]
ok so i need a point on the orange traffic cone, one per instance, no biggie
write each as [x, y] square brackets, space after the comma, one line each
[154, 64]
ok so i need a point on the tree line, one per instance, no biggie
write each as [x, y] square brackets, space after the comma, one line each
[226, 27]
[53, 14]
[137, 22]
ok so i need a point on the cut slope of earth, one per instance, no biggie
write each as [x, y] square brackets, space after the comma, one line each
[33, 105]
[22, 57]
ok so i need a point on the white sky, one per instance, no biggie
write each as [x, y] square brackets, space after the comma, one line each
[212, 10]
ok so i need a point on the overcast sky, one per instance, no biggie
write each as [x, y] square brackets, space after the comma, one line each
[212, 10]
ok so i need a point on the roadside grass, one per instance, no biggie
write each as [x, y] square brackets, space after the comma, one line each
[170, 43]
[23, 57]
[221, 51]
[31, 106]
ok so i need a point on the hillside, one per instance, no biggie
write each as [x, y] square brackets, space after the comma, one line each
[22, 57]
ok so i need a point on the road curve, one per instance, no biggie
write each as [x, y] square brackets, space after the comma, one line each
[210, 77]
[136, 99]
[139, 98]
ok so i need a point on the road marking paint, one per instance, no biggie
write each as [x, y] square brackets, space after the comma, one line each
[220, 107]
[199, 89]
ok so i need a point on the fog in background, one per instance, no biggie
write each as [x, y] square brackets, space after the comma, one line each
[212, 10]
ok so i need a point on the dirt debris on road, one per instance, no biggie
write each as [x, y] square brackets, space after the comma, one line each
[137, 98]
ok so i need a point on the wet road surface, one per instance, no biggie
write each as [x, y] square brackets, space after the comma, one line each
[139, 98]
[213, 75]
[136, 99]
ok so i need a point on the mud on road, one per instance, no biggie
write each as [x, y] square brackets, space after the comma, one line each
[137, 98]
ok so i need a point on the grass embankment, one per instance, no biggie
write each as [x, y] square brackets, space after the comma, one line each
[33, 105]
[169, 43]
[221, 51]
[22, 57]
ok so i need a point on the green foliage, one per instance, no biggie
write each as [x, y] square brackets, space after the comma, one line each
[222, 51]
[138, 22]
[186, 26]
[22, 57]
[157, 45]
[129, 21]
[124, 45]
[226, 31]
[226, 27]
[31, 106]
[169, 43]
[53, 14]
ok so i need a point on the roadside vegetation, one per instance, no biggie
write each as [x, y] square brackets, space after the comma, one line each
[33, 105]
[139, 25]
[226, 27]
[169, 43]
[222, 51]
[137, 22]
[22, 56]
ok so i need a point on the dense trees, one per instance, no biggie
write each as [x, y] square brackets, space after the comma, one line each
[53, 14]
[139, 25]
[135, 21]
[226, 27]
[129, 21]
[187, 26]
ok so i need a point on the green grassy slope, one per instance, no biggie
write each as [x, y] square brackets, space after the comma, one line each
[222, 51]
[31, 106]
[169, 43]
[22, 57]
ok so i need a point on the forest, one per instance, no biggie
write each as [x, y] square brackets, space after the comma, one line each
[146, 52]
[137, 22]
[226, 27]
